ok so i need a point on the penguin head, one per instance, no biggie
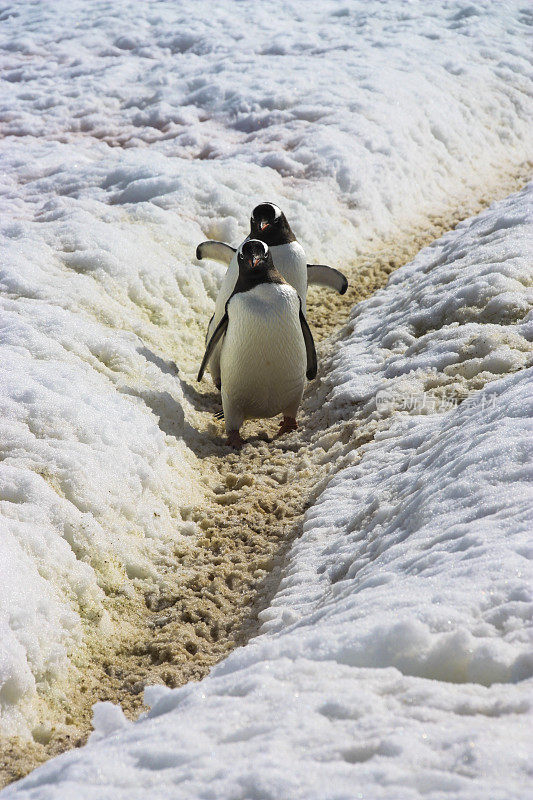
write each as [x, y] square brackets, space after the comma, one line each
[269, 224]
[254, 257]
[255, 266]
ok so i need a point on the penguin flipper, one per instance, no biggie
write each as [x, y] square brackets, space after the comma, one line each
[218, 333]
[216, 251]
[311, 366]
[322, 275]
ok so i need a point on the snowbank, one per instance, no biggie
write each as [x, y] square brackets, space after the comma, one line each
[394, 659]
[454, 319]
[356, 117]
[90, 493]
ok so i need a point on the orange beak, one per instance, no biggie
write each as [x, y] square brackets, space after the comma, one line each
[264, 225]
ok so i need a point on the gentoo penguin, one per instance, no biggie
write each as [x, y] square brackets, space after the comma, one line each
[269, 225]
[266, 347]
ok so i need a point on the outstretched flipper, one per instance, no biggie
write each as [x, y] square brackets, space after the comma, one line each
[321, 275]
[216, 251]
[311, 367]
[218, 333]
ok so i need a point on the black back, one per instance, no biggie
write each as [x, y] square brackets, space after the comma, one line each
[269, 224]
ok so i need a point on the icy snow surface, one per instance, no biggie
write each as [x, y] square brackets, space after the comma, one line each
[395, 659]
[131, 131]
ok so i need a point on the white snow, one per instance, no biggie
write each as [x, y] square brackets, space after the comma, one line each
[457, 317]
[375, 112]
[395, 659]
[132, 131]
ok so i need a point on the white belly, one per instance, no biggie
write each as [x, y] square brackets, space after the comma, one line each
[263, 357]
[289, 260]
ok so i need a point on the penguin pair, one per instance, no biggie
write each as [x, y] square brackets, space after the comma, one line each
[259, 346]
[265, 345]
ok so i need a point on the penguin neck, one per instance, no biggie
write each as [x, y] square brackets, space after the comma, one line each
[281, 234]
[249, 279]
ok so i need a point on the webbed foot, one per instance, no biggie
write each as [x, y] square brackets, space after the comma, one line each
[289, 424]
[234, 440]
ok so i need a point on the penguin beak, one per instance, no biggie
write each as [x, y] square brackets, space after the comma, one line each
[255, 261]
[264, 224]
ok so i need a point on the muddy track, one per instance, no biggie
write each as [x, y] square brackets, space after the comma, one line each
[253, 510]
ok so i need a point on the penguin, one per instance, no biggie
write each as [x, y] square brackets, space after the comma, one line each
[266, 347]
[267, 224]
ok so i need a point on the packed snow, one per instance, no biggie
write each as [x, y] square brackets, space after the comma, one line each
[130, 132]
[395, 659]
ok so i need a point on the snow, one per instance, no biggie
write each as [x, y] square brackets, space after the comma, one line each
[92, 495]
[395, 659]
[458, 317]
[409, 105]
[130, 133]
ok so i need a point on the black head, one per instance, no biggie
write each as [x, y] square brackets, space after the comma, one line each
[255, 265]
[269, 224]
[254, 257]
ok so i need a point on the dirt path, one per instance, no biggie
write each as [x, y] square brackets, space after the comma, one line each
[253, 511]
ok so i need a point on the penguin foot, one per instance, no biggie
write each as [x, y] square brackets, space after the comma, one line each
[289, 424]
[234, 440]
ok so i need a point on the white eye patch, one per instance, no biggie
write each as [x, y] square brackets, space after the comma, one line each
[262, 206]
[259, 247]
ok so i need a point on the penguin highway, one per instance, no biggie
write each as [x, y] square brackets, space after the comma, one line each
[266, 347]
[267, 224]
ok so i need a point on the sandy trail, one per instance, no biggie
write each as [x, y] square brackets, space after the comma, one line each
[254, 502]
